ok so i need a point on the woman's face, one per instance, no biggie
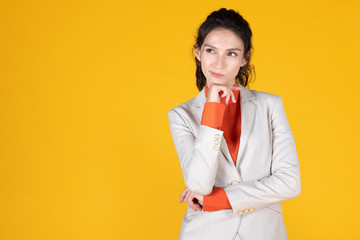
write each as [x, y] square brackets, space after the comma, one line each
[221, 56]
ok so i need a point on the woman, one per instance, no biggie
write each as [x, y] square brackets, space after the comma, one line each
[236, 149]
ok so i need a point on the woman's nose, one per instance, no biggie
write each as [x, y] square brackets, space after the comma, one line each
[220, 62]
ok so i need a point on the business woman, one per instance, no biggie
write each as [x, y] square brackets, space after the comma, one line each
[235, 146]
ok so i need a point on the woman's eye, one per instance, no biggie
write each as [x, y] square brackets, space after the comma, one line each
[232, 54]
[210, 50]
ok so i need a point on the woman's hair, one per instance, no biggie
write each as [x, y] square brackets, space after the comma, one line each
[230, 20]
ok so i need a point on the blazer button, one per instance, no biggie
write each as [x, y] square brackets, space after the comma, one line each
[251, 209]
[217, 136]
[246, 210]
[215, 148]
[234, 182]
[216, 142]
[240, 212]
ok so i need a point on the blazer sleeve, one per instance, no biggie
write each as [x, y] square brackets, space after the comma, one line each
[284, 180]
[198, 155]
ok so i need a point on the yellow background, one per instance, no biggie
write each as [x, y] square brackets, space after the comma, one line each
[85, 87]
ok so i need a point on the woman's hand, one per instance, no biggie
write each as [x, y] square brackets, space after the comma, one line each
[194, 200]
[214, 93]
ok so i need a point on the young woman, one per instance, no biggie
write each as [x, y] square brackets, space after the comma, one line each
[236, 149]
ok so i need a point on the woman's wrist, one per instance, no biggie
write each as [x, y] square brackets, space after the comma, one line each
[213, 115]
[213, 96]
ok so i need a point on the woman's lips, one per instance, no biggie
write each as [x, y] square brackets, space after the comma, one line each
[217, 75]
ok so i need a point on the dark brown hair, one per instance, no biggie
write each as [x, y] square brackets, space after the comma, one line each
[230, 20]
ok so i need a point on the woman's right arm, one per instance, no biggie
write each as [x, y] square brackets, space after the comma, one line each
[198, 155]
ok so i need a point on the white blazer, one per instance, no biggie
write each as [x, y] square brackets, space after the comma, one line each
[266, 170]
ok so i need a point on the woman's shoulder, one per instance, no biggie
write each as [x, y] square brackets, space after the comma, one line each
[265, 100]
[185, 105]
[265, 96]
[185, 108]
[191, 105]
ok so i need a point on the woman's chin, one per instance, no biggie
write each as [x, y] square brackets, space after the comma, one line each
[219, 81]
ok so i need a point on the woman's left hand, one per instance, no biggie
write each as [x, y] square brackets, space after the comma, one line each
[194, 200]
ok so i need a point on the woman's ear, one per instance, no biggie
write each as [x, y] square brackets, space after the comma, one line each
[244, 61]
[197, 53]
[246, 58]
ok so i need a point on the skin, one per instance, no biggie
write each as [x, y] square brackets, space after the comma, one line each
[221, 56]
[221, 53]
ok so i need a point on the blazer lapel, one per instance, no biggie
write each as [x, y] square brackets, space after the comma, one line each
[248, 112]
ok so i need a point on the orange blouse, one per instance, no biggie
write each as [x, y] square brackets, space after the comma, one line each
[228, 119]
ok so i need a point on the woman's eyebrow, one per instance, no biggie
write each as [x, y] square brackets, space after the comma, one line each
[234, 49]
[207, 45]
[230, 49]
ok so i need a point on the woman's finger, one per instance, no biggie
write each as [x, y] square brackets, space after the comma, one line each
[183, 194]
[224, 92]
[235, 87]
[233, 97]
[227, 99]
[190, 202]
[186, 199]
[200, 198]
[193, 203]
